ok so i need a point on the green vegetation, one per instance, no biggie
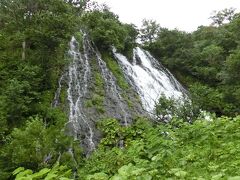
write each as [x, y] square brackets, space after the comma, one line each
[178, 150]
[116, 70]
[97, 90]
[118, 74]
[206, 60]
[36, 145]
[79, 38]
[34, 37]
[57, 172]
[184, 109]
[97, 101]
[106, 30]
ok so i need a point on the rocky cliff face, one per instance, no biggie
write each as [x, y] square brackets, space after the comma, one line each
[110, 86]
[95, 93]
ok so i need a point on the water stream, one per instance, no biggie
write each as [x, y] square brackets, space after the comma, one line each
[149, 78]
[112, 89]
[57, 93]
[79, 74]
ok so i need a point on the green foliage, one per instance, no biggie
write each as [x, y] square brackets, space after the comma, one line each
[106, 30]
[208, 98]
[232, 66]
[56, 172]
[131, 171]
[116, 70]
[98, 91]
[79, 38]
[149, 31]
[112, 131]
[110, 157]
[34, 37]
[20, 93]
[130, 40]
[206, 60]
[97, 101]
[35, 145]
[224, 16]
[168, 108]
[201, 150]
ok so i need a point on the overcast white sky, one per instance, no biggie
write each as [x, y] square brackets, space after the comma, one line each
[184, 15]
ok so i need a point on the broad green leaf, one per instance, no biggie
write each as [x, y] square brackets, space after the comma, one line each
[41, 173]
[50, 176]
[18, 170]
[24, 173]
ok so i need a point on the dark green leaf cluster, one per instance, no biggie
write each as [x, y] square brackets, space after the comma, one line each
[106, 30]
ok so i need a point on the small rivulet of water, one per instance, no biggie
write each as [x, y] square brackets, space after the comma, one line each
[111, 87]
[79, 73]
[149, 78]
[55, 102]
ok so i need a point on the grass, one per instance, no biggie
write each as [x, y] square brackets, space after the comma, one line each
[98, 93]
[116, 70]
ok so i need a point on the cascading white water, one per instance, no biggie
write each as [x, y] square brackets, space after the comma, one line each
[79, 73]
[149, 78]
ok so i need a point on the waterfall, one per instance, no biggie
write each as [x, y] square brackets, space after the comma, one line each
[79, 78]
[149, 78]
[79, 73]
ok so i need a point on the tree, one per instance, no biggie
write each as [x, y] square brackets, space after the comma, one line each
[208, 98]
[183, 108]
[36, 145]
[232, 68]
[106, 30]
[80, 5]
[45, 27]
[149, 31]
[224, 16]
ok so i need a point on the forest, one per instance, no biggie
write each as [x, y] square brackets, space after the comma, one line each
[201, 141]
